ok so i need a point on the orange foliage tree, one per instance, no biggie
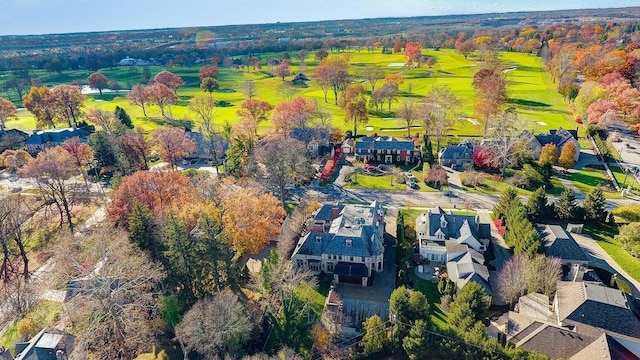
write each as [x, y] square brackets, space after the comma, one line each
[173, 144]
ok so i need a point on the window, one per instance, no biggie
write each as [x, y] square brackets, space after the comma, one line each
[351, 258]
[379, 265]
[340, 257]
[330, 267]
[362, 259]
[399, 158]
[300, 263]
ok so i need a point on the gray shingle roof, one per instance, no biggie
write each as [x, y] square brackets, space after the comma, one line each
[557, 137]
[384, 143]
[555, 342]
[55, 136]
[559, 243]
[454, 223]
[454, 152]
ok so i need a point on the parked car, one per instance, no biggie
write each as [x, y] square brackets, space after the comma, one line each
[410, 177]
[383, 167]
[413, 185]
[369, 167]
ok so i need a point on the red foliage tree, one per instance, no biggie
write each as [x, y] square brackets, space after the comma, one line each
[596, 110]
[412, 51]
[484, 158]
[291, 114]
[209, 71]
[161, 95]
[282, 70]
[173, 144]
[169, 79]
[98, 81]
[138, 96]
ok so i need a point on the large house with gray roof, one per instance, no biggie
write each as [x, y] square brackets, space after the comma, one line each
[386, 150]
[43, 139]
[456, 155]
[556, 242]
[346, 240]
[559, 138]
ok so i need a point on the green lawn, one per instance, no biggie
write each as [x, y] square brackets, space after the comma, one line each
[312, 297]
[41, 315]
[624, 181]
[491, 186]
[587, 179]
[382, 182]
[439, 318]
[604, 235]
[529, 88]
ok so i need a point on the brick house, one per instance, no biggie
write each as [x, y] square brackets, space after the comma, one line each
[386, 150]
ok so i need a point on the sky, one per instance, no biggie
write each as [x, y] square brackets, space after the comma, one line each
[20, 17]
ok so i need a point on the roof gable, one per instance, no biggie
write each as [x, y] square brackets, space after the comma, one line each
[559, 243]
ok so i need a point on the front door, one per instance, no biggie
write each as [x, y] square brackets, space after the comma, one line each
[388, 159]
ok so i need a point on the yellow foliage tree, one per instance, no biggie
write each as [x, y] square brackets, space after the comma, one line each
[568, 155]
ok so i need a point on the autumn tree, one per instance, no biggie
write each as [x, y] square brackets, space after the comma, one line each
[68, 100]
[14, 159]
[508, 141]
[286, 162]
[439, 112]
[41, 104]
[295, 113]
[105, 120]
[14, 214]
[372, 74]
[256, 111]
[393, 80]
[82, 155]
[548, 155]
[116, 300]
[465, 47]
[136, 147]
[568, 155]
[98, 81]
[282, 70]
[436, 177]
[138, 96]
[412, 50]
[249, 89]
[208, 71]
[216, 326]
[160, 192]
[355, 104]
[250, 218]
[209, 85]
[53, 171]
[491, 89]
[408, 112]
[161, 95]
[169, 79]
[173, 144]
[7, 111]
[332, 73]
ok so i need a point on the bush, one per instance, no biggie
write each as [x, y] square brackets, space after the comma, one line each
[472, 178]
[518, 180]
[533, 176]
[27, 328]
[629, 238]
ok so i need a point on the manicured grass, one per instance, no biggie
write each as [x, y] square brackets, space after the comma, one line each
[491, 186]
[605, 236]
[624, 179]
[439, 317]
[312, 297]
[41, 315]
[530, 91]
[382, 182]
[587, 179]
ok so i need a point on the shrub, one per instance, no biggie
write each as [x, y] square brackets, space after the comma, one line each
[27, 328]
[472, 178]
[518, 180]
[533, 176]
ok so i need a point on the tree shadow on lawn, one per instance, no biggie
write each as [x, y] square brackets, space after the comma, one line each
[585, 177]
[186, 124]
[529, 103]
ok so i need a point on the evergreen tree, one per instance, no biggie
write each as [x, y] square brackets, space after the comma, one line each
[537, 205]
[471, 305]
[375, 336]
[427, 150]
[566, 205]
[520, 235]
[594, 206]
[503, 204]
[416, 344]
[124, 118]
[143, 231]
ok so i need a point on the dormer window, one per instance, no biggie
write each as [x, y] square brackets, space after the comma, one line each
[348, 242]
[443, 222]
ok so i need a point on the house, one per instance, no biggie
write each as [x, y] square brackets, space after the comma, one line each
[318, 141]
[585, 321]
[456, 155]
[436, 229]
[386, 150]
[345, 240]
[133, 62]
[556, 242]
[348, 146]
[559, 137]
[206, 149]
[465, 264]
[43, 139]
[46, 345]
[11, 139]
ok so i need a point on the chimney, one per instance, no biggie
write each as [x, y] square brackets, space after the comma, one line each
[335, 211]
[578, 273]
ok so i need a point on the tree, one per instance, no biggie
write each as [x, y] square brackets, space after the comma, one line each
[14, 214]
[291, 323]
[412, 50]
[566, 205]
[282, 70]
[256, 111]
[508, 141]
[629, 238]
[144, 232]
[250, 219]
[427, 150]
[355, 105]
[115, 86]
[114, 290]
[208, 71]
[436, 177]
[321, 54]
[408, 112]
[512, 279]
[286, 163]
[82, 155]
[204, 107]
[53, 171]
[168, 79]
[41, 104]
[375, 335]
[209, 85]
[568, 155]
[372, 74]
[491, 89]
[105, 150]
[291, 114]
[98, 81]
[386, 93]
[159, 191]
[416, 344]
[124, 118]
[594, 206]
[509, 195]
[465, 47]
[287, 90]
[249, 89]
[105, 120]
[161, 95]
[537, 205]
[216, 326]
[173, 144]
[548, 155]
[439, 112]
[332, 73]
[138, 96]
[7, 111]
[470, 306]
[542, 274]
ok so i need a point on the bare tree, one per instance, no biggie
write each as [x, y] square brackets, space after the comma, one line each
[13, 215]
[215, 327]
[512, 279]
[249, 89]
[372, 74]
[439, 112]
[409, 114]
[542, 274]
[114, 287]
[287, 91]
[507, 139]
[203, 107]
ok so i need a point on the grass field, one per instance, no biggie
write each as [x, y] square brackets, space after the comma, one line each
[605, 236]
[530, 91]
[439, 317]
[491, 186]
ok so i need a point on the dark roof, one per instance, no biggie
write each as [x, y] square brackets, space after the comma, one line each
[384, 143]
[350, 269]
[44, 345]
[556, 343]
[526, 332]
[607, 317]
[55, 136]
[324, 213]
[618, 351]
[557, 137]
[203, 145]
[454, 223]
[559, 243]
[455, 152]
[13, 132]
[307, 134]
